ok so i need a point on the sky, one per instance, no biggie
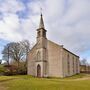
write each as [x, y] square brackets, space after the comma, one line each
[67, 23]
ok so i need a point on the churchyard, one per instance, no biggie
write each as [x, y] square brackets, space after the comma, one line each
[26, 82]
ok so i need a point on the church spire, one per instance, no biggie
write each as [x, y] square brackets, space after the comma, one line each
[41, 25]
[41, 32]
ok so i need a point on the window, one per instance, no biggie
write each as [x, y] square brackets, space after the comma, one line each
[76, 65]
[38, 55]
[44, 34]
[38, 33]
[73, 65]
[68, 64]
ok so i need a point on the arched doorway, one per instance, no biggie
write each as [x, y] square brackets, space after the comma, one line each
[38, 70]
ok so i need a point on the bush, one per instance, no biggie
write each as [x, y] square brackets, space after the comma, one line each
[2, 69]
[22, 71]
[10, 70]
[13, 70]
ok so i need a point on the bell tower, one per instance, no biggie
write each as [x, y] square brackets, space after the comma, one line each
[41, 32]
[41, 51]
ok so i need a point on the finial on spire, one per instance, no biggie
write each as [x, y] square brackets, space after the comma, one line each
[41, 25]
[41, 11]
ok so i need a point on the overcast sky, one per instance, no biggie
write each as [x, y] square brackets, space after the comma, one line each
[67, 22]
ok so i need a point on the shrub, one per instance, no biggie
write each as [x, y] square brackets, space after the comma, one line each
[2, 69]
[10, 70]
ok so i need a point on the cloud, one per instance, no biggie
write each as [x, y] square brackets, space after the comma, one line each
[67, 22]
[8, 27]
[11, 6]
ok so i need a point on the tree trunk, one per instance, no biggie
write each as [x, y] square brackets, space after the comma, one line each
[18, 67]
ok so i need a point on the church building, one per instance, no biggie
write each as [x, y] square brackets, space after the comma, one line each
[48, 59]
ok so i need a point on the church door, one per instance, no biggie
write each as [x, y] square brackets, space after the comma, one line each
[38, 70]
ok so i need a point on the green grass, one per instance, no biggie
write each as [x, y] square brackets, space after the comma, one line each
[26, 82]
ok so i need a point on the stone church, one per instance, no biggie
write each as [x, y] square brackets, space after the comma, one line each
[48, 59]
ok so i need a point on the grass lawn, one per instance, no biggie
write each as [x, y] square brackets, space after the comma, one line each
[25, 82]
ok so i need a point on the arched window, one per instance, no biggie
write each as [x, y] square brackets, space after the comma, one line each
[38, 55]
[38, 33]
[68, 64]
[76, 65]
[73, 65]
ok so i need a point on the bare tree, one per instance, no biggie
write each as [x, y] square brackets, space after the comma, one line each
[26, 47]
[85, 65]
[6, 53]
[0, 61]
[17, 51]
[12, 51]
[84, 62]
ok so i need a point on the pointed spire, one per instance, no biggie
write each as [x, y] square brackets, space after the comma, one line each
[41, 25]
